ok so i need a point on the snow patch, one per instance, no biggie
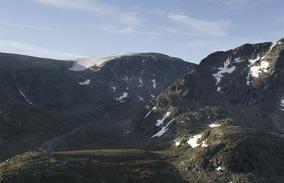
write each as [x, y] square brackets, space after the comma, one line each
[252, 61]
[177, 142]
[154, 108]
[219, 168]
[164, 129]
[113, 88]
[204, 143]
[161, 121]
[83, 64]
[262, 67]
[126, 78]
[86, 82]
[26, 98]
[248, 80]
[141, 98]
[154, 83]
[255, 71]
[214, 125]
[122, 97]
[225, 69]
[193, 142]
[238, 60]
[282, 104]
[140, 84]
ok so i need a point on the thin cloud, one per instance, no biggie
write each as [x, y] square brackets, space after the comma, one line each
[197, 44]
[229, 2]
[118, 30]
[124, 21]
[232, 4]
[179, 31]
[129, 23]
[235, 4]
[203, 27]
[34, 50]
[25, 26]
[84, 5]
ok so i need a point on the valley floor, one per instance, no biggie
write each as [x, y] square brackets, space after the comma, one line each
[112, 165]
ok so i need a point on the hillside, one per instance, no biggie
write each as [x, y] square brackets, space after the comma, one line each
[45, 103]
[89, 166]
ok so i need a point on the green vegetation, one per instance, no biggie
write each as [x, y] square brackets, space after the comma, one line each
[89, 166]
[233, 153]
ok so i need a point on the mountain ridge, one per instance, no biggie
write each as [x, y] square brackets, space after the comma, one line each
[41, 94]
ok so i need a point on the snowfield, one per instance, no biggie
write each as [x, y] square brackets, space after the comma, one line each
[83, 64]
[259, 65]
[164, 129]
[225, 69]
[255, 71]
[161, 121]
[193, 141]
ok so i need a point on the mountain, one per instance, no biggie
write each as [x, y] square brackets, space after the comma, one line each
[44, 101]
[243, 84]
[83, 121]
[226, 116]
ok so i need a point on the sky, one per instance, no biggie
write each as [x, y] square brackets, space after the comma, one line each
[188, 29]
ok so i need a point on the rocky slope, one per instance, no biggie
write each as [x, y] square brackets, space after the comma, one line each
[240, 93]
[230, 153]
[44, 102]
[243, 84]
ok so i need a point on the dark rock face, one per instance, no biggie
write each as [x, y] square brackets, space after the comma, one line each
[44, 101]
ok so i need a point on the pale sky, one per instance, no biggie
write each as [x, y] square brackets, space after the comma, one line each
[189, 29]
